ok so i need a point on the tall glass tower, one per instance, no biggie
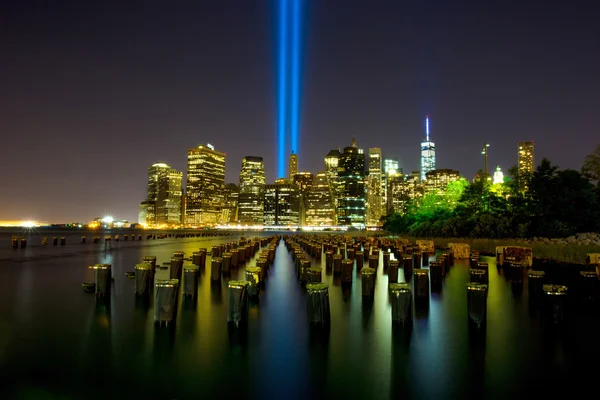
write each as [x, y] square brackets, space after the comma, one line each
[427, 153]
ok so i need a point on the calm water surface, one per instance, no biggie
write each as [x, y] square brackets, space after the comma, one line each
[58, 342]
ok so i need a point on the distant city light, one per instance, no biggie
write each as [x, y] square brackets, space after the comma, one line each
[29, 224]
[498, 176]
[108, 220]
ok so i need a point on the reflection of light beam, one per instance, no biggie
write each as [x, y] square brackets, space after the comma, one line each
[282, 87]
[295, 75]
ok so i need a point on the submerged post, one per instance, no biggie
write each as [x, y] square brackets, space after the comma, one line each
[401, 297]
[103, 279]
[190, 280]
[165, 301]
[237, 309]
[143, 279]
[368, 281]
[555, 297]
[477, 303]
[318, 303]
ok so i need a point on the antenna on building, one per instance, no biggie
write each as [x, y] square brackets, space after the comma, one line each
[427, 128]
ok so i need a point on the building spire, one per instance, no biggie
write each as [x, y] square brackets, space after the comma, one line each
[354, 144]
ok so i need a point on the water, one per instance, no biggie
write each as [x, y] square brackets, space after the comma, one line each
[58, 342]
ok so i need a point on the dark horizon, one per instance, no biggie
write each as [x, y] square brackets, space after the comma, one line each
[96, 92]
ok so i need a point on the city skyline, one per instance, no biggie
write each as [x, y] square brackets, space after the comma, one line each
[85, 84]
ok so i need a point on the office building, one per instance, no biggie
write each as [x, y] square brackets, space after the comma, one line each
[526, 158]
[282, 204]
[252, 191]
[162, 208]
[304, 181]
[438, 179]
[320, 210]
[293, 167]
[232, 193]
[375, 188]
[332, 169]
[205, 194]
[403, 189]
[427, 152]
[351, 175]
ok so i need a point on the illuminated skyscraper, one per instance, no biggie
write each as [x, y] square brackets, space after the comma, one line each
[332, 169]
[403, 189]
[526, 158]
[390, 164]
[374, 187]
[391, 167]
[427, 152]
[304, 181]
[252, 191]
[163, 205]
[319, 203]
[282, 204]
[293, 167]
[438, 180]
[351, 203]
[205, 195]
[232, 194]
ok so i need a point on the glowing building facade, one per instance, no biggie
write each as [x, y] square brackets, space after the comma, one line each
[319, 203]
[498, 176]
[526, 158]
[332, 169]
[304, 181]
[427, 153]
[403, 189]
[252, 191]
[351, 175]
[232, 194]
[163, 204]
[293, 166]
[375, 187]
[205, 194]
[438, 179]
[282, 204]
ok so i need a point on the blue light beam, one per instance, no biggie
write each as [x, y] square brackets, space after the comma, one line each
[295, 106]
[282, 101]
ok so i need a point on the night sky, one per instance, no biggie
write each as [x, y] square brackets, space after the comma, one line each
[92, 93]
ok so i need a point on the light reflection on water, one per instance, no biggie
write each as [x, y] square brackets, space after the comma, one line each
[278, 356]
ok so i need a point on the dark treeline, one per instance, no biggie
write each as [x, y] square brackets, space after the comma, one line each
[550, 202]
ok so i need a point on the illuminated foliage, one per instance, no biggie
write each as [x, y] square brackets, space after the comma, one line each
[557, 203]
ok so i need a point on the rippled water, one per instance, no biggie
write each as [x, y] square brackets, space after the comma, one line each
[58, 342]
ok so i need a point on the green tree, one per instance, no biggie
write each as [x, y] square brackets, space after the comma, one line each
[591, 166]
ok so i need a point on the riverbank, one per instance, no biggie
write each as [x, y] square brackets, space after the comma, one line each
[556, 251]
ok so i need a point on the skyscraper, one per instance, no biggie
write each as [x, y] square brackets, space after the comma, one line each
[526, 158]
[252, 191]
[232, 194]
[293, 167]
[163, 205]
[374, 187]
[319, 203]
[304, 181]
[438, 180]
[427, 153]
[332, 169]
[282, 207]
[391, 163]
[205, 197]
[391, 167]
[351, 203]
